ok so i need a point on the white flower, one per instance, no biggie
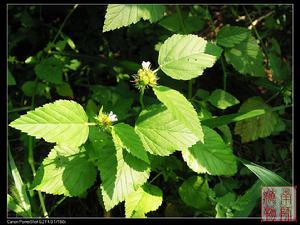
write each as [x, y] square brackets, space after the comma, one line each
[112, 117]
[146, 65]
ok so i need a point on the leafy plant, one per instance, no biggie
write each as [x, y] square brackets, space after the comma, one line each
[128, 144]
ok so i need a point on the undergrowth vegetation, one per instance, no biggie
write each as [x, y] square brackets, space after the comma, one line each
[147, 110]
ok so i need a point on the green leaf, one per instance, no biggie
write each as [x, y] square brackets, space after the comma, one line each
[181, 109]
[268, 177]
[222, 99]
[50, 69]
[194, 192]
[161, 133]
[212, 49]
[31, 88]
[121, 173]
[224, 204]
[246, 57]
[23, 198]
[192, 23]
[73, 65]
[235, 117]
[121, 15]
[15, 207]
[64, 90]
[146, 199]
[228, 206]
[183, 57]
[10, 78]
[66, 171]
[213, 157]
[245, 204]
[280, 69]
[229, 36]
[62, 122]
[130, 140]
[258, 127]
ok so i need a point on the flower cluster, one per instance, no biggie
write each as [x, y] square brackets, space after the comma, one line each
[145, 77]
[105, 119]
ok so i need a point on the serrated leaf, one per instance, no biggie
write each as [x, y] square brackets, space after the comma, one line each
[212, 49]
[50, 69]
[258, 127]
[246, 57]
[66, 170]
[222, 99]
[183, 57]
[229, 36]
[130, 141]
[161, 133]
[194, 192]
[62, 122]
[181, 109]
[213, 157]
[10, 78]
[146, 199]
[121, 15]
[121, 173]
[268, 177]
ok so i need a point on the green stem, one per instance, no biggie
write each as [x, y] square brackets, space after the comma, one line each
[154, 178]
[64, 22]
[142, 98]
[224, 73]
[57, 204]
[180, 19]
[30, 153]
[31, 163]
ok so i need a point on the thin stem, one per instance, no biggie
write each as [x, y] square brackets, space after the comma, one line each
[142, 98]
[224, 74]
[57, 204]
[30, 154]
[154, 178]
[31, 163]
[64, 22]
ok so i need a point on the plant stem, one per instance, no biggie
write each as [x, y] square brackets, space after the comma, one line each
[142, 98]
[64, 22]
[57, 204]
[224, 73]
[154, 178]
[31, 163]
[30, 154]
